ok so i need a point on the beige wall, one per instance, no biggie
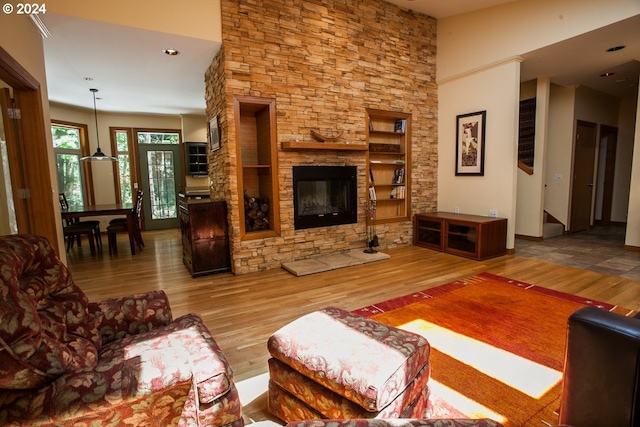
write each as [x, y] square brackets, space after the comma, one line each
[495, 91]
[530, 192]
[194, 129]
[472, 43]
[196, 18]
[477, 39]
[559, 152]
[633, 222]
[23, 42]
[624, 161]
[103, 179]
[602, 109]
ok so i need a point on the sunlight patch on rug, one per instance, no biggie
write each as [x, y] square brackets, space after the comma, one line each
[469, 407]
[517, 372]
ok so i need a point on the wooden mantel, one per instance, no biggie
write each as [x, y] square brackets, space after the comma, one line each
[296, 145]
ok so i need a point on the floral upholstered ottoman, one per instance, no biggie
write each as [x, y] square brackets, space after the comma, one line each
[335, 364]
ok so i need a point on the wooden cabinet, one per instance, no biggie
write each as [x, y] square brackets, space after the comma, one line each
[471, 236]
[195, 156]
[389, 164]
[257, 166]
[205, 241]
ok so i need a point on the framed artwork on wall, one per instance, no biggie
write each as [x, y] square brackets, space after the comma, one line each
[470, 142]
[214, 134]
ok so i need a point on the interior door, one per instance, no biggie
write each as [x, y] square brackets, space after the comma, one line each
[583, 176]
[160, 172]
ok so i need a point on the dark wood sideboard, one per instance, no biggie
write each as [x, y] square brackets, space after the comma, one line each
[472, 236]
[205, 238]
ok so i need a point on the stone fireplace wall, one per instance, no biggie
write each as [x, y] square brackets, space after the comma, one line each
[324, 62]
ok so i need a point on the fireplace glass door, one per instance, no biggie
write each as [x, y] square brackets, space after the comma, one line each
[324, 196]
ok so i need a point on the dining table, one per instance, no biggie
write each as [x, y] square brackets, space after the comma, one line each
[108, 209]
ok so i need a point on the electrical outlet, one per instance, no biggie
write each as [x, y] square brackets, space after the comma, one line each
[493, 213]
[456, 209]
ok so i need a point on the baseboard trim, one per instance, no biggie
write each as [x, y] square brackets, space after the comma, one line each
[632, 248]
[532, 238]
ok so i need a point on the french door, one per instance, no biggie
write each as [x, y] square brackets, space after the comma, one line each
[160, 172]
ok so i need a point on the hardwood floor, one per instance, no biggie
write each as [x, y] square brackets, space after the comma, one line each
[243, 311]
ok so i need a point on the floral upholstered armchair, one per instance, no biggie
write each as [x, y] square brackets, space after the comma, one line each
[120, 362]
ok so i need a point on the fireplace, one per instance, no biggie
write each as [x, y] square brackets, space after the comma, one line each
[324, 196]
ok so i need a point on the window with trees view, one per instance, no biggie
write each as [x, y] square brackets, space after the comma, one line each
[120, 146]
[68, 141]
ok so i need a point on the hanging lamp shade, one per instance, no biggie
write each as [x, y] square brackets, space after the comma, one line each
[98, 155]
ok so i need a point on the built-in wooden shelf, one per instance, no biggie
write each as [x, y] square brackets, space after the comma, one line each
[296, 145]
[388, 159]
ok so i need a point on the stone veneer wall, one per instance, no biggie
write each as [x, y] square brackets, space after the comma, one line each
[324, 62]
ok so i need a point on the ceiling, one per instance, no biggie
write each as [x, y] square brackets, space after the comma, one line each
[127, 65]
[133, 74]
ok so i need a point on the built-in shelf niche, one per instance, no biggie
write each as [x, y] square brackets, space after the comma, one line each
[257, 166]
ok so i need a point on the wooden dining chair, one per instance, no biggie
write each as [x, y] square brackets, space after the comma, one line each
[120, 220]
[64, 205]
[73, 229]
[121, 225]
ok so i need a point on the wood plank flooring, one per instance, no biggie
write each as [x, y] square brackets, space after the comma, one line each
[243, 311]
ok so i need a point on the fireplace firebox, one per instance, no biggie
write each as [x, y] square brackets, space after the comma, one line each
[324, 196]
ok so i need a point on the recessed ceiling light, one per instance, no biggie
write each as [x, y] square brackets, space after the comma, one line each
[171, 52]
[608, 74]
[613, 49]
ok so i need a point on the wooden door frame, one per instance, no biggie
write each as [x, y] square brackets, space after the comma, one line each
[135, 147]
[34, 181]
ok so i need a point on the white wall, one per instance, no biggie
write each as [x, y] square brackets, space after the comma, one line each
[494, 90]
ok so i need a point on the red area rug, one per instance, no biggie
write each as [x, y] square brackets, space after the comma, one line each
[497, 346]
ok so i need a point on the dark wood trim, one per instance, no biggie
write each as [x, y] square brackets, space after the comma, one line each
[34, 141]
[337, 146]
[14, 74]
[530, 238]
[524, 168]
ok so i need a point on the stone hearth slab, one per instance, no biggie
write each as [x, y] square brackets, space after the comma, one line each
[332, 262]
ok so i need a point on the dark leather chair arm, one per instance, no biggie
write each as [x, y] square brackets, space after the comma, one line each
[602, 362]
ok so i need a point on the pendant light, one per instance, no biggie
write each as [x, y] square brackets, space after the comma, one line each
[98, 155]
